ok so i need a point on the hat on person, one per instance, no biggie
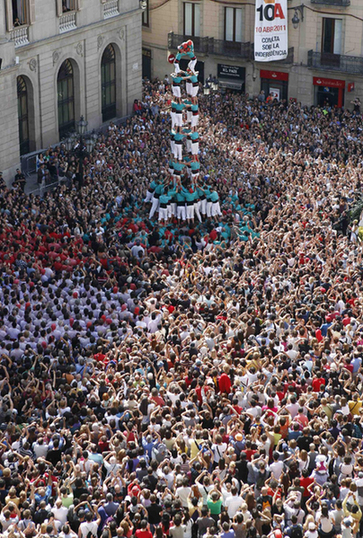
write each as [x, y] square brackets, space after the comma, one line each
[239, 437]
[347, 522]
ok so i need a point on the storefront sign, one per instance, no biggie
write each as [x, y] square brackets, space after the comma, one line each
[329, 82]
[274, 75]
[350, 86]
[231, 72]
[271, 42]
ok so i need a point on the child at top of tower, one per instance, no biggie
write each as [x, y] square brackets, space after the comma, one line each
[186, 49]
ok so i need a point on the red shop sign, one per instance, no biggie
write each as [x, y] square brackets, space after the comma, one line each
[330, 82]
[274, 75]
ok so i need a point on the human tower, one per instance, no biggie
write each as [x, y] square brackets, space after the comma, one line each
[184, 196]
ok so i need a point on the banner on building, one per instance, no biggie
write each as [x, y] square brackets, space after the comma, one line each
[271, 43]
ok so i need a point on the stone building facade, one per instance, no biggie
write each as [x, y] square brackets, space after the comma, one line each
[62, 59]
[325, 61]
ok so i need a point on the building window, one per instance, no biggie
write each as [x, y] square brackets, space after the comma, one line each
[233, 24]
[20, 12]
[108, 82]
[145, 15]
[68, 5]
[331, 46]
[23, 116]
[191, 19]
[65, 87]
[332, 36]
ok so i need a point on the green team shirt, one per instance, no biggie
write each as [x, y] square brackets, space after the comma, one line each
[180, 197]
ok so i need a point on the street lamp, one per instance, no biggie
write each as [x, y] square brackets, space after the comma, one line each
[206, 89]
[295, 19]
[89, 145]
[79, 147]
[210, 87]
[82, 126]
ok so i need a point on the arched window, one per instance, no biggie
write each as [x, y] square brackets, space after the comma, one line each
[108, 83]
[23, 116]
[65, 87]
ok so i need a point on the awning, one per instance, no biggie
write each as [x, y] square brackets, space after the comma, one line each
[230, 85]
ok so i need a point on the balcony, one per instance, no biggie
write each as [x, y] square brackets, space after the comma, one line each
[220, 47]
[333, 3]
[20, 35]
[335, 62]
[200, 43]
[209, 45]
[67, 22]
[110, 9]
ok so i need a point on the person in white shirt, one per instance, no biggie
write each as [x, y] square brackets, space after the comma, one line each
[182, 492]
[89, 526]
[60, 513]
[277, 466]
[233, 502]
[40, 448]
[219, 449]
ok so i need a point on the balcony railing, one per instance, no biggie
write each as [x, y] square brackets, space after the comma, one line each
[20, 36]
[200, 43]
[67, 22]
[110, 9]
[290, 57]
[230, 48]
[335, 62]
[220, 47]
[338, 3]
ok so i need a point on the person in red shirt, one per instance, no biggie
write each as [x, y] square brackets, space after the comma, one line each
[224, 381]
[144, 531]
[317, 382]
[305, 482]
[156, 398]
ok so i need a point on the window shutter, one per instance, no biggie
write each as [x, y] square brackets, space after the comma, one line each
[31, 12]
[59, 7]
[9, 15]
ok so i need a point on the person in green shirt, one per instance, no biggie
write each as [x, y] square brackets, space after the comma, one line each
[202, 201]
[180, 202]
[172, 202]
[150, 191]
[163, 207]
[190, 198]
[178, 145]
[215, 210]
[214, 504]
[155, 200]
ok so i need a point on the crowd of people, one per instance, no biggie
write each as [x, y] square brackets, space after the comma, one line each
[187, 380]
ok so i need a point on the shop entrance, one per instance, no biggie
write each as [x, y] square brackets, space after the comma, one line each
[275, 83]
[146, 64]
[329, 91]
[327, 96]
